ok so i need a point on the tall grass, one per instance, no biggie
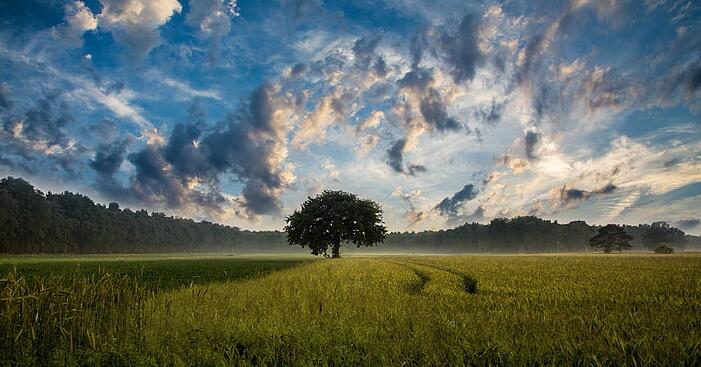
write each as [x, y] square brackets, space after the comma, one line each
[61, 318]
[527, 310]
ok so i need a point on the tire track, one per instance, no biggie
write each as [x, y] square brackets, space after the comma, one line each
[423, 277]
[470, 284]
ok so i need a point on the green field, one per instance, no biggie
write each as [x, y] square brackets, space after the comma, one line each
[388, 310]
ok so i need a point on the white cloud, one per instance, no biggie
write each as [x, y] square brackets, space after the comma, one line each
[211, 17]
[136, 22]
[183, 88]
[78, 20]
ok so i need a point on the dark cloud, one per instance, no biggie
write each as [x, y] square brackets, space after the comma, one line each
[364, 51]
[450, 206]
[419, 42]
[461, 50]
[36, 139]
[245, 144]
[5, 102]
[531, 140]
[417, 79]
[687, 224]
[183, 151]
[44, 122]
[491, 113]
[432, 104]
[435, 112]
[606, 189]
[153, 181]
[298, 69]
[366, 58]
[565, 196]
[109, 157]
[395, 156]
[413, 169]
[395, 159]
[105, 130]
[693, 82]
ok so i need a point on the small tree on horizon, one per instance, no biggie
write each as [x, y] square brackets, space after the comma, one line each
[662, 233]
[333, 217]
[611, 237]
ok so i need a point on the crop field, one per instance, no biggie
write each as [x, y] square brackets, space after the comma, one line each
[376, 310]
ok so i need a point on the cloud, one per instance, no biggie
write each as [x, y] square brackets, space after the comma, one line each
[491, 113]
[153, 180]
[477, 216]
[249, 144]
[297, 70]
[313, 127]
[78, 20]
[567, 196]
[109, 157]
[183, 88]
[330, 169]
[450, 206]
[435, 112]
[135, 22]
[5, 102]
[413, 216]
[39, 136]
[365, 57]
[531, 140]
[461, 50]
[395, 156]
[686, 224]
[421, 107]
[212, 19]
[421, 95]
[395, 159]
[413, 169]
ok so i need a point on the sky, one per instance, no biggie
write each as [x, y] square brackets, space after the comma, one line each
[442, 111]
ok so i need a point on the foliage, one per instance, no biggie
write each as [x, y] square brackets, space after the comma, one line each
[335, 217]
[32, 222]
[661, 233]
[663, 248]
[611, 237]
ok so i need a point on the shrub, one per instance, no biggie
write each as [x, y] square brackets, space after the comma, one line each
[663, 248]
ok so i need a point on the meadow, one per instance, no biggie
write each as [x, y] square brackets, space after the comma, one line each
[632, 309]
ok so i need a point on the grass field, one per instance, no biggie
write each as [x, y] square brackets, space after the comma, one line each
[388, 310]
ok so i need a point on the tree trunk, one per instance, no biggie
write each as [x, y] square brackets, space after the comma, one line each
[335, 252]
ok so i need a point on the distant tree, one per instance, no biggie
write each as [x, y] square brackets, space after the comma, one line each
[662, 233]
[332, 218]
[611, 237]
[663, 248]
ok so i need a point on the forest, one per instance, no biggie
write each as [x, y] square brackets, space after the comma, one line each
[34, 222]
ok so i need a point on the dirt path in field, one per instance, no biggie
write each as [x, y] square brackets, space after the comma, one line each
[433, 278]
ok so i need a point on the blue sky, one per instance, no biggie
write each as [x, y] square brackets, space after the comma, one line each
[442, 111]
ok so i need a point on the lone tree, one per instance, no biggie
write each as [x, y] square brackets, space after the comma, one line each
[611, 237]
[334, 217]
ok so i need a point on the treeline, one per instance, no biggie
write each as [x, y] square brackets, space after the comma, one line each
[531, 234]
[34, 222]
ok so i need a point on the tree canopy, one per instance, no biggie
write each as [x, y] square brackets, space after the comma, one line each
[611, 237]
[335, 217]
[660, 233]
